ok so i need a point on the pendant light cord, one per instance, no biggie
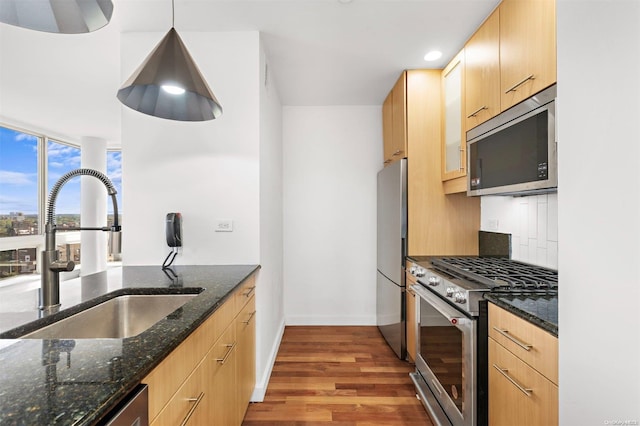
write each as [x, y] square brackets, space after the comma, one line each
[173, 13]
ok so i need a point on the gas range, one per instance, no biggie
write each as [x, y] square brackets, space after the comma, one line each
[463, 280]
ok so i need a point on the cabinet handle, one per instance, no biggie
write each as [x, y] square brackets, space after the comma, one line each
[228, 354]
[520, 83]
[251, 315]
[397, 152]
[196, 402]
[504, 372]
[473, 114]
[520, 343]
[249, 291]
[463, 160]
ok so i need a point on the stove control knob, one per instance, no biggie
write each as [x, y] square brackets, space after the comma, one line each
[449, 292]
[412, 270]
[420, 272]
[458, 297]
[434, 281]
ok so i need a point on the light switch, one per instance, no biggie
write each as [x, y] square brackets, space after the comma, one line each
[224, 226]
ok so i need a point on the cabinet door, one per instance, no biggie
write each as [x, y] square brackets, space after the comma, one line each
[189, 405]
[527, 48]
[399, 118]
[387, 128]
[482, 72]
[453, 139]
[246, 360]
[518, 394]
[221, 378]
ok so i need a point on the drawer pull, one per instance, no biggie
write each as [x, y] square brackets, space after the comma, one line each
[522, 389]
[397, 152]
[473, 114]
[251, 315]
[228, 354]
[196, 402]
[249, 291]
[506, 334]
[520, 83]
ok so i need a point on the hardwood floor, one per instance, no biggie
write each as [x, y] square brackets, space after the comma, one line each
[341, 376]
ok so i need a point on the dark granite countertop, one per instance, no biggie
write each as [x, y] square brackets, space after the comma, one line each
[541, 310]
[77, 382]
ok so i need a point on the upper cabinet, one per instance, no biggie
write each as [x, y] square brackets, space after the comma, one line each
[482, 72]
[453, 134]
[394, 122]
[527, 49]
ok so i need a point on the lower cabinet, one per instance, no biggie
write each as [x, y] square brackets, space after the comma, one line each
[523, 360]
[209, 378]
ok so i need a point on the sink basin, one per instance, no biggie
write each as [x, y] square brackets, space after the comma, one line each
[120, 317]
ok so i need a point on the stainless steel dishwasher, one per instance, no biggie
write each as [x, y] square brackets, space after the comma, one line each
[132, 411]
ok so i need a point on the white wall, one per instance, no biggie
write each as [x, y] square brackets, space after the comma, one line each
[331, 158]
[270, 300]
[599, 211]
[532, 222]
[205, 170]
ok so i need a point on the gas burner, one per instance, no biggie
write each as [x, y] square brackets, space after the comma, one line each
[499, 274]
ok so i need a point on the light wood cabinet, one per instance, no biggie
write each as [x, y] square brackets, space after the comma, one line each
[453, 106]
[209, 378]
[222, 364]
[387, 128]
[411, 320]
[527, 49]
[394, 122]
[438, 224]
[523, 371]
[482, 72]
[246, 337]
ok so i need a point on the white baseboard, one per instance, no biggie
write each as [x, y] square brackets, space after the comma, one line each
[261, 385]
[331, 320]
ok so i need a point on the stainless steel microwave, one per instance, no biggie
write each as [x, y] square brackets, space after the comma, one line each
[515, 152]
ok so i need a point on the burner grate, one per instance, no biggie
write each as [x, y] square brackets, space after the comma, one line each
[499, 273]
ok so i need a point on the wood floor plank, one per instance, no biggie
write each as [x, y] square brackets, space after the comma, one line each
[337, 376]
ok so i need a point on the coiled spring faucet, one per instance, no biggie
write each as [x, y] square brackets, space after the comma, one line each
[51, 265]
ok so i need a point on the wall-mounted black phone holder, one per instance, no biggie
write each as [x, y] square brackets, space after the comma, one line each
[173, 231]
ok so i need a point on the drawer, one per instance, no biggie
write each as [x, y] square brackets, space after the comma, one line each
[189, 404]
[222, 350]
[245, 292]
[528, 342]
[246, 320]
[518, 394]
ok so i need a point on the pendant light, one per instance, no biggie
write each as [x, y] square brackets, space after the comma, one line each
[169, 85]
[57, 16]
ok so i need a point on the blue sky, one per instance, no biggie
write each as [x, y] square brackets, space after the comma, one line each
[19, 180]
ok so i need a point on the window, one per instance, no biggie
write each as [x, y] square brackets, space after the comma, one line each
[25, 160]
[19, 205]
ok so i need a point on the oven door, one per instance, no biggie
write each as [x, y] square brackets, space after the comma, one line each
[446, 358]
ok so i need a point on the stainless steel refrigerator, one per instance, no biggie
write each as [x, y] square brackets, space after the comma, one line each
[392, 248]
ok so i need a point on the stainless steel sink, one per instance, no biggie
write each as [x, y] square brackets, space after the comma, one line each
[120, 317]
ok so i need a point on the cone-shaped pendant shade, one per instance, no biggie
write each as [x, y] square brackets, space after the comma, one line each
[57, 16]
[169, 85]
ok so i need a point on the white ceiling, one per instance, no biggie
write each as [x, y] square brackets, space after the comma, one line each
[320, 52]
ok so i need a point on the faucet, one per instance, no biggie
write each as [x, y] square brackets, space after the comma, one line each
[51, 265]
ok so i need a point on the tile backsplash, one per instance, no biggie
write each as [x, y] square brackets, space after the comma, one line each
[532, 222]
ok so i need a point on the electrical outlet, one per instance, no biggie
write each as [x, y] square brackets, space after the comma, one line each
[224, 226]
[492, 224]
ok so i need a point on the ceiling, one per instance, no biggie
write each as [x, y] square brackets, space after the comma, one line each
[320, 52]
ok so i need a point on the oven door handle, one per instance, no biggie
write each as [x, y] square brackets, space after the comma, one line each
[452, 314]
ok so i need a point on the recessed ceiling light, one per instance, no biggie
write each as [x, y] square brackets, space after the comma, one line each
[344, 1]
[433, 55]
